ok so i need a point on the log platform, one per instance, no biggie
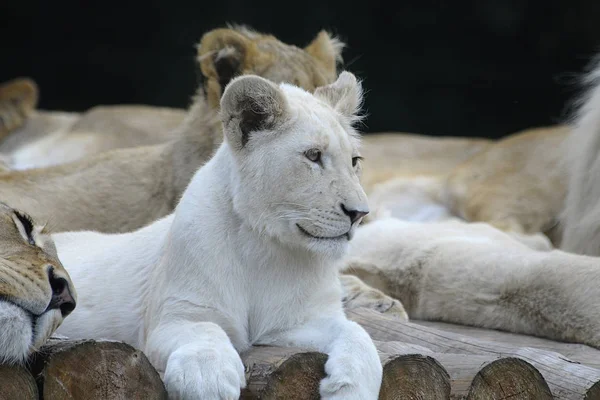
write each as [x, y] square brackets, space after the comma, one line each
[421, 360]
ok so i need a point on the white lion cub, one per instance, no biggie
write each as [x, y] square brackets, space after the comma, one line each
[249, 255]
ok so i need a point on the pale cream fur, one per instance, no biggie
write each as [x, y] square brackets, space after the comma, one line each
[474, 274]
[517, 184]
[238, 50]
[125, 189]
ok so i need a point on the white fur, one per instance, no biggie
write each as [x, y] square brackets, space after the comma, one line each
[409, 199]
[17, 335]
[47, 151]
[41, 142]
[581, 215]
[230, 268]
[19, 338]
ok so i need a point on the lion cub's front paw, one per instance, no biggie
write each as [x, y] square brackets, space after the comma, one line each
[211, 374]
[351, 378]
[334, 389]
[358, 294]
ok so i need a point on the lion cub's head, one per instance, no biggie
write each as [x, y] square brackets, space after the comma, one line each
[36, 292]
[229, 52]
[297, 159]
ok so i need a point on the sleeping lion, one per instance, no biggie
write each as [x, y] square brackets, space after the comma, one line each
[36, 293]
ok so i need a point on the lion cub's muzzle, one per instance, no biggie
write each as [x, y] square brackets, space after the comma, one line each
[354, 215]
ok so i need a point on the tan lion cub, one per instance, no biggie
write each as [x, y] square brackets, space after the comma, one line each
[125, 189]
[52, 138]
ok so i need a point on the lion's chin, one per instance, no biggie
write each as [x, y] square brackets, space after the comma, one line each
[17, 333]
[332, 250]
[46, 324]
[22, 332]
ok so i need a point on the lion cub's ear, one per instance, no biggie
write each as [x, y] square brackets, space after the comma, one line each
[344, 95]
[251, 104]
[222, 54]
[18, 99]
[327, 51]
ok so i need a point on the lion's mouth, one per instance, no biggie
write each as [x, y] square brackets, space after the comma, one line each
[306, 233]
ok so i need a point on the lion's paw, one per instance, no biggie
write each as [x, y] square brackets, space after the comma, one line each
[352, 378]
[358, 294]
[211, 374]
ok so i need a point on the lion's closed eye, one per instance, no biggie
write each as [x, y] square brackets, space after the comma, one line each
[24, 225]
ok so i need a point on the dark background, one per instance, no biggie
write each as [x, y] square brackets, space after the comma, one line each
[470, 68]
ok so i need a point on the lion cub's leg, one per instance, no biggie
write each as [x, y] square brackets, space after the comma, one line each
[358, 294]
[18, 99]
[198, 360]
[353, 367]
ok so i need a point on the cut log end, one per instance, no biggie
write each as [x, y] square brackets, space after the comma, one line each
[593, 392]
[297, 378]
[509, 378]
[96, 370]
[17, 383]
[414, 376]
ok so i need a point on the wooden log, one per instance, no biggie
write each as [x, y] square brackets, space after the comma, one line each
[413, 376]
[282, 373]
[295, 374]
[462, 368]
[574, 351]
[566, 379]
[90, 369]
[509, 378]
[17, 383]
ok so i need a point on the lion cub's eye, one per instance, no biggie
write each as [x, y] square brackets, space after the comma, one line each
[355, 160]
[313, 155]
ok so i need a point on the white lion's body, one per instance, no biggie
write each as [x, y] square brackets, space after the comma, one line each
[248, 257]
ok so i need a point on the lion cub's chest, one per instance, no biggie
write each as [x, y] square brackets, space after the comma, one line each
[276, 307]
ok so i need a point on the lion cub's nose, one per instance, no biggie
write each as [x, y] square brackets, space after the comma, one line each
[354, 215]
